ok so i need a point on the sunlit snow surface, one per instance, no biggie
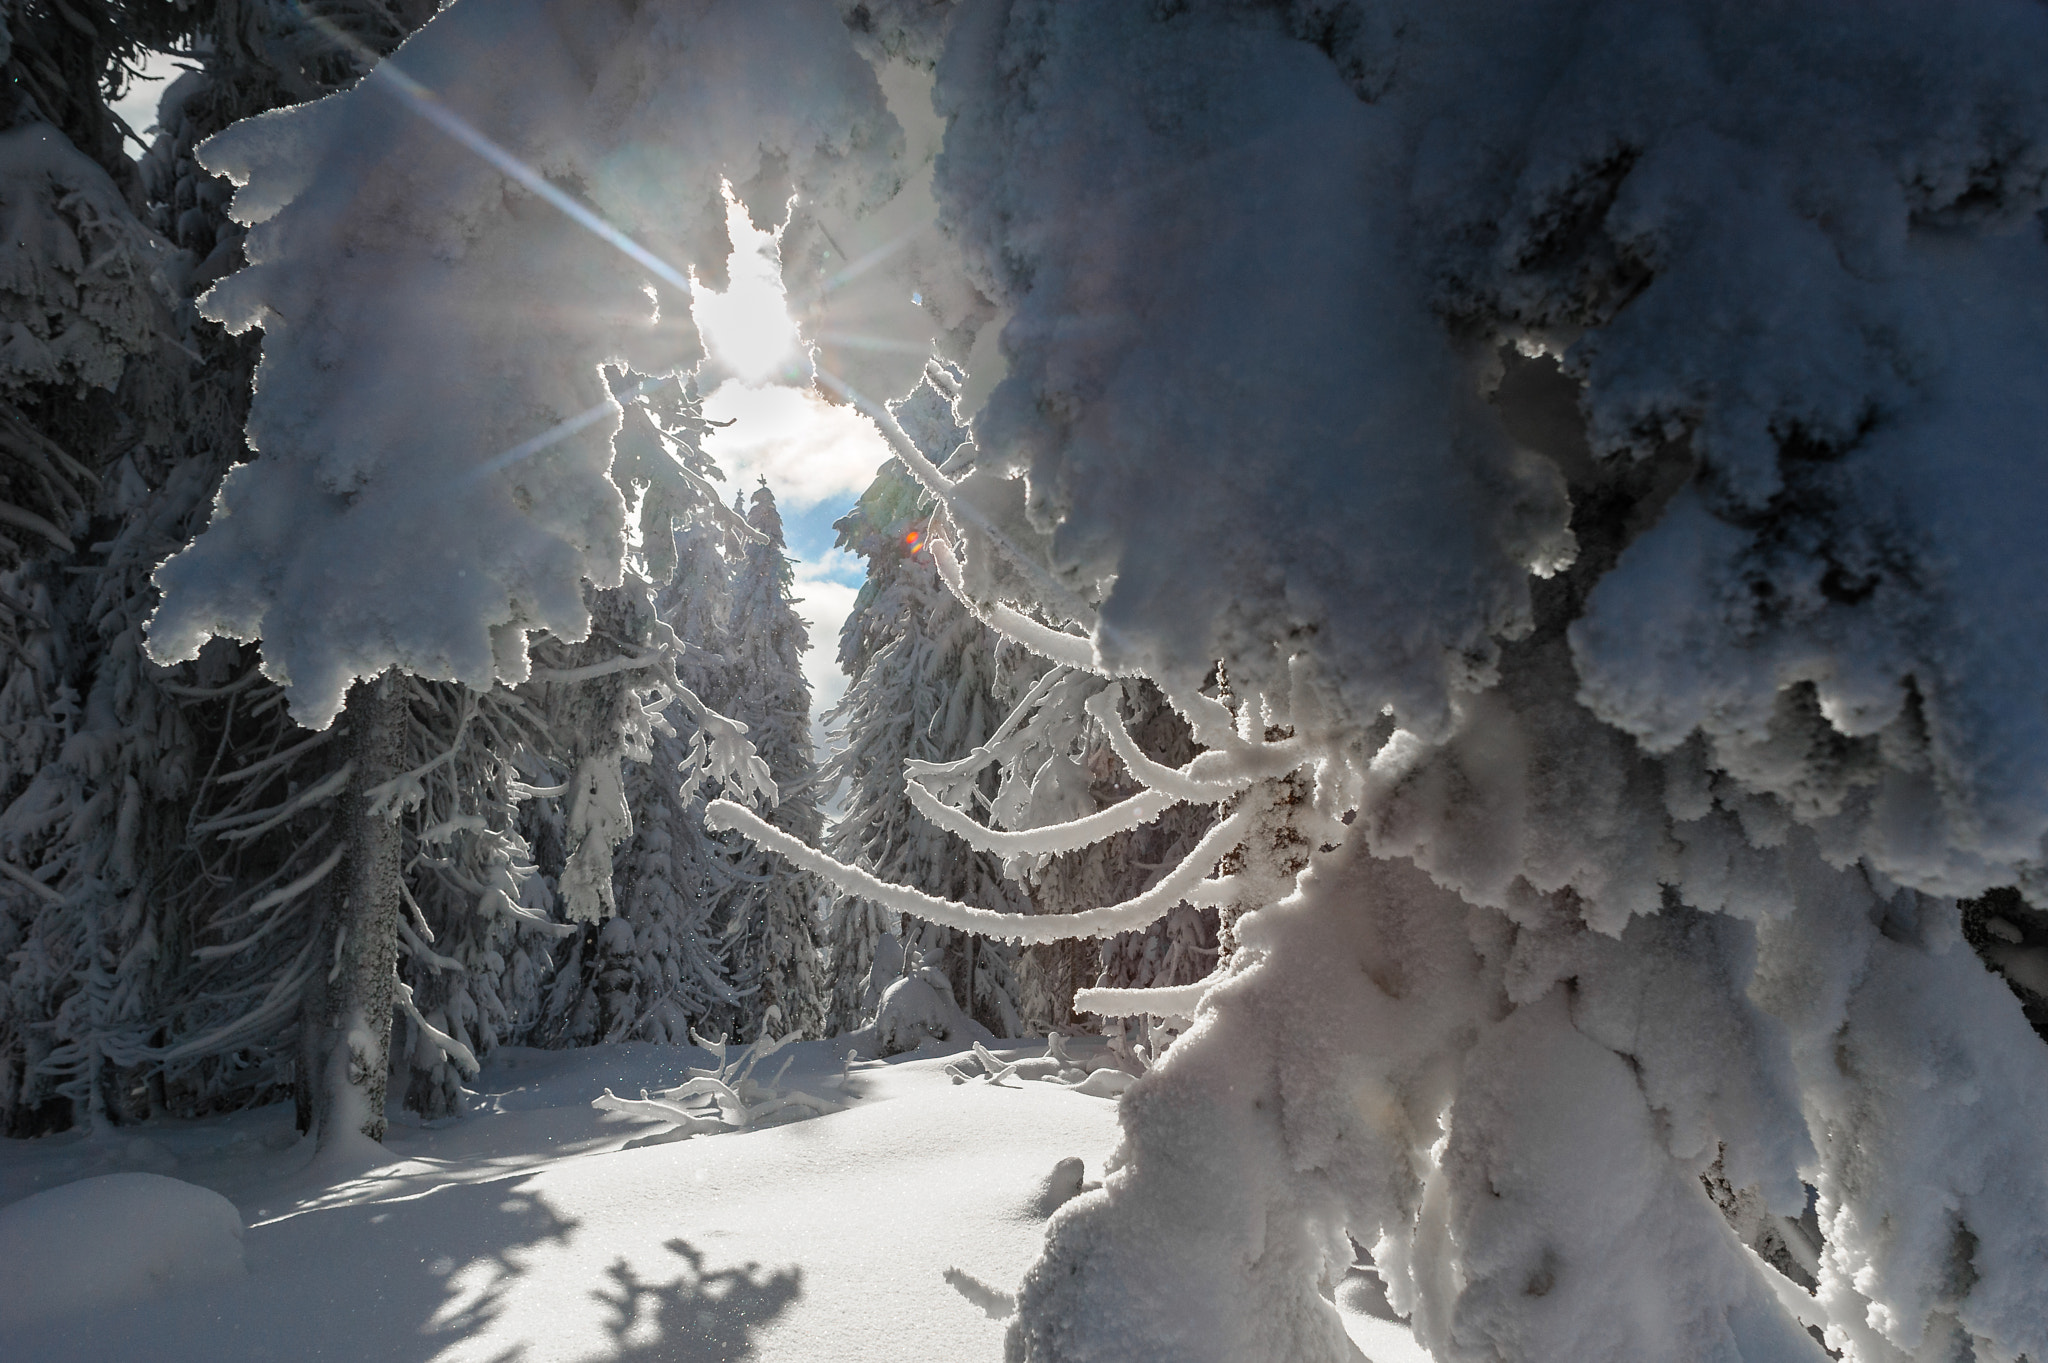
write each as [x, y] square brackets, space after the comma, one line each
[529, 1230]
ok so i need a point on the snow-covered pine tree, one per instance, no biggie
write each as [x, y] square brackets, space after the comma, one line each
[130, 977]
[768, 920]
[189, 969]
[590, 769]
[442, 530]
[94, 403]
[922, 670]
[655, 970]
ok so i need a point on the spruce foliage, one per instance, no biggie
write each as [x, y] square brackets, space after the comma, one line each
[769, 917]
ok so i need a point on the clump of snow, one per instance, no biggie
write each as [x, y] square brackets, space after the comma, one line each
[1066, 1182]
[918, 1008]
[727, 1096]
[433, 429]
[112, 1240]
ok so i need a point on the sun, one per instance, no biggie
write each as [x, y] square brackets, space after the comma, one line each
[747, 328]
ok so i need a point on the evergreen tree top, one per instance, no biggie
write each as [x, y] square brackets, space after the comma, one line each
[763, 516]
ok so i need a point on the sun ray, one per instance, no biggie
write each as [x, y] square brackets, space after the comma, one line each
[385, 75]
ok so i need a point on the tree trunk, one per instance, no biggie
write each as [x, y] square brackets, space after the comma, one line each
[1059, 968]
[349, 1055]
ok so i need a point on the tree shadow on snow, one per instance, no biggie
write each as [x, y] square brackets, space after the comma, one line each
[700, 1317]
[405, 1279]
[398, 1281]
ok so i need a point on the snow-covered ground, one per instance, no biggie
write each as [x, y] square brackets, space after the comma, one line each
[538, 1228]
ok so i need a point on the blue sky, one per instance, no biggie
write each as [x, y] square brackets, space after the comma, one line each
[818, 459]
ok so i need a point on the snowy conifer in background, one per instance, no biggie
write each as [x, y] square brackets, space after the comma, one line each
[187, 827]
[656, 969]
[87, 348]
[768, 920]
[470, 529]
[922, 669]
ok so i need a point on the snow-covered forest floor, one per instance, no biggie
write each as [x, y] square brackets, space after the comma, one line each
[535, 1227]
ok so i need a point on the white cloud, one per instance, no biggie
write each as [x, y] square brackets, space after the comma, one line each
[807, 449]
[825, 599]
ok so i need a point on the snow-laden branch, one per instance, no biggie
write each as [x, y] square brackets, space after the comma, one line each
[1121, 817]
[425, 954]
[1222, 892]
[28, 882]
[274, 921]
[1179, 782]
[276, 759]
[721, 752]
[623, 662]
[286, 994]
[326, 788]
[1070, 650]
[1134, 913]
[517, 791]
[990, 749]
[461, 1055]
[24, 519]
[1214, 725]
[281, 895]
[1173, 1001]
